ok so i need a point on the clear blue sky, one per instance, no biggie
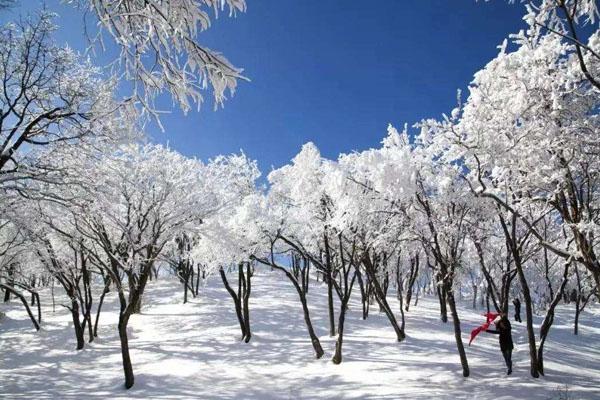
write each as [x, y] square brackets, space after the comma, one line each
[334, 72]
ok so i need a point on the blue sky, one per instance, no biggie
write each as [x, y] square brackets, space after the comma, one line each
[334, 72]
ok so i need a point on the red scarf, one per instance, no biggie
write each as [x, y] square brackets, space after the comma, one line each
[489, 318]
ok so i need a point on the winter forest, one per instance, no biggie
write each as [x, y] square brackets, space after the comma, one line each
[456, 259]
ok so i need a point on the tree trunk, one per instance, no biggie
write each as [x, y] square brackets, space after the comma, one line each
[90, 327]
[384, 306]
[311, 332]
[87, 299]
[136, 304]
[36, 296]
[549, 319]
[442, 298]
[457, 333]
[307, 264]
[529, 315]
[197, 280]
[417, 296]
[127, 308]
[399, 284]
[246, 298]
[514, 247]
[369, 297]
[52, 292]
[414, 271]
[369, 268]
[186, 282]
[100, 302]
[236, 302]
[337, 357]
[330, 308]
[127, 366]
[9, 284]
[364, 299]
[314, 339]
[9, 290]
[384, 290]
[329, 288]
[402, 320]
[580, 301]
[32, 293]
[192, 280]
[79, 330]
[577, 311]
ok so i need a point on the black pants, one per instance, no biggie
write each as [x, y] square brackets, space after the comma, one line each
[518, 316]
[507, 358]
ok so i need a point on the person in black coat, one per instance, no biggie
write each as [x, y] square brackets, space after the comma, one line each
[517, 304]
[503, 329]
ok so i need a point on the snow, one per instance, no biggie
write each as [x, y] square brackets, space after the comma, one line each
[194, 351]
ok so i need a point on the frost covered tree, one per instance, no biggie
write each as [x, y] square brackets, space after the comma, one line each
[51, 96]
[69, 264]
[525, 139]
[231, 237]
[497, 200]
[53, 101]
[131, 204]
[293, 226]
[18, 271]
[374, 192]
[442, 217]
[530, 142]
[160, 48]
[570, 20]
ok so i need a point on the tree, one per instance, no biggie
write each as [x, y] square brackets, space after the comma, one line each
[242, 297]
[135, 201]
[159, 47]
[68, 263]
[566, 18]
[51, 97]
[537, 151]
[374, 191]
[523, 140]
[303, 218]
[445, 214]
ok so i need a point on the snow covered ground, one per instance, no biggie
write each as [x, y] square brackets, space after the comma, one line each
[193, 351]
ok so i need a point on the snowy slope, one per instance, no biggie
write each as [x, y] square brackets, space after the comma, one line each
[193, 351]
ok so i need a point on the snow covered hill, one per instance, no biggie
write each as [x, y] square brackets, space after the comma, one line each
[194, 351]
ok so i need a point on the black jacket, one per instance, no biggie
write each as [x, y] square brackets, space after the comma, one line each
[503, 329]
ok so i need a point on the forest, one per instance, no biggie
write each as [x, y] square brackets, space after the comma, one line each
[488, 211]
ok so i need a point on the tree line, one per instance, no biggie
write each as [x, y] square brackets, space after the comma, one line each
[497, 200]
